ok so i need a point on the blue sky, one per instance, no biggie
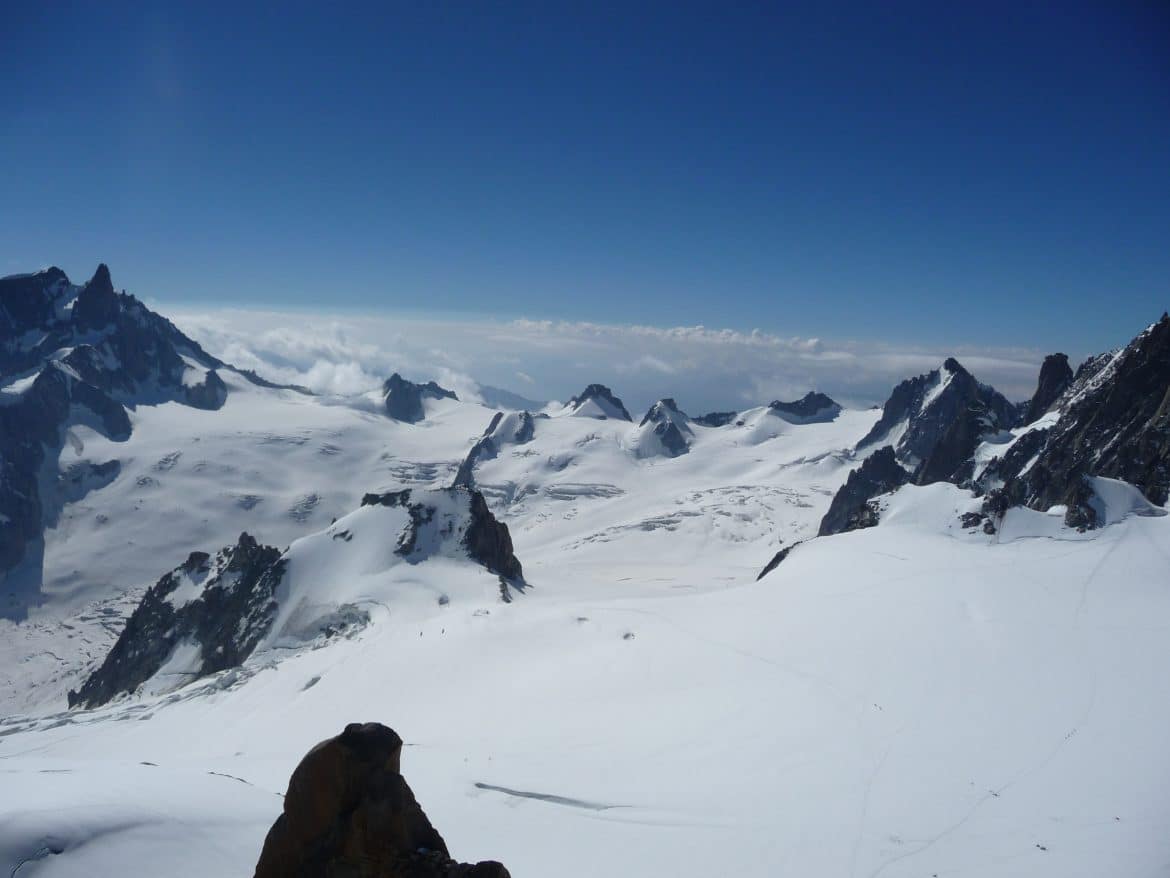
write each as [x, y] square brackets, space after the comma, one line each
[914, 174]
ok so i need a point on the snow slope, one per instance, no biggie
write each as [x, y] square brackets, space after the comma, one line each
[918, 698]
[276, 463]
[906, 700]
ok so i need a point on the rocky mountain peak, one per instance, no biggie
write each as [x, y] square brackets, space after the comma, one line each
[1114, 422]
[404, 399]
[97, 303]
[665, 431]
[598, 401]
[206, 615]
[934, 421]
[661, 410]
[813, 407]
[1055, 377]
[950, 364]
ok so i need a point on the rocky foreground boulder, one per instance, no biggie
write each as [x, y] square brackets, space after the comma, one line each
[350, 812]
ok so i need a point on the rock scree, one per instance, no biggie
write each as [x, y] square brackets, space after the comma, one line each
[350, 812]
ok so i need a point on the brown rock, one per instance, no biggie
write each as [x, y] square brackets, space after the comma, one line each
[349, 813]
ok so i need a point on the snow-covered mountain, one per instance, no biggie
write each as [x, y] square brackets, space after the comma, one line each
[939, 683]
[208, 615]
[77, 359]
[664, 430]
[597, 401]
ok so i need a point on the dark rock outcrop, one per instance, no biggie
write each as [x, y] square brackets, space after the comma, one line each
[510, 429]
[1114, 422]
[716, 419]
[776, 559]
[669, 427]
[32, 427]
[486, 538]
[603, 397]
[404, 399]
[488, 541]
[349, 812]
[811, 408]
[222, 607]
[209, 394]
[210, 614]
[852, 507]
[1055, 377]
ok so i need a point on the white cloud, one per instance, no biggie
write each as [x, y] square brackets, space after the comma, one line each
[703, 368]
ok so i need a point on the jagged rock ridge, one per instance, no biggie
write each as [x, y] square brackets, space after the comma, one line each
[76, 355]
[716, 419]
[852, 506]
[811, 408]
[935, 421]
[208, 615]
[220, 608]
[403, 399]
[512, 428]
[349, 812]
[1114, 422]
[486, 539]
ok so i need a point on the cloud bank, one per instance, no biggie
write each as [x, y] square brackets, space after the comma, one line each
[704, 369]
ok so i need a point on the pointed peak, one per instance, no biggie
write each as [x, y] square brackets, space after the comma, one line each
[101, 281]
[604, 403]
[666, 409]
[950, 364]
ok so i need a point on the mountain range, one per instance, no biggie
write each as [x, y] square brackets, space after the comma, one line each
[891, 641]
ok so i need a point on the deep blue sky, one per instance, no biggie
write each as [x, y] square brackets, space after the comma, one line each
[999, 175]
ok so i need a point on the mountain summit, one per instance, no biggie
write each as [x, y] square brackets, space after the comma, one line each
[598, 401]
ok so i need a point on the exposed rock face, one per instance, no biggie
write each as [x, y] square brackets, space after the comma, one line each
[404, 399]
[349, 812]
[809, 409]
[1114, 422]
[668, 425]
[513, 428]
[936, 420]
[776, 559]
[76, 355]
[598, 401]
[486, 539]
[1055, 377]
[221, 607]
[851, 508]
[211, 614]
[32, 426]
[114, 342]
[716, 419]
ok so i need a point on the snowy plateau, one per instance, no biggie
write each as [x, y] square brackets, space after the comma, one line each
[949, 688]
